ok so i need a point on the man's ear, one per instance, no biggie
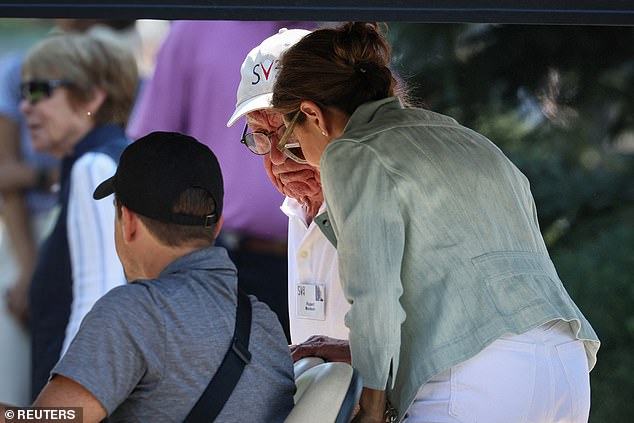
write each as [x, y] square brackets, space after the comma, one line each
[129, 224]
[218, 226]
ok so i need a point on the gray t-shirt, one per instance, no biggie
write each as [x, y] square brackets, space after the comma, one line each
[147, 350]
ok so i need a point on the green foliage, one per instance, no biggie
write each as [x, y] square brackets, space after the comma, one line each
[18, 34]
[595, 262]
[559, 100]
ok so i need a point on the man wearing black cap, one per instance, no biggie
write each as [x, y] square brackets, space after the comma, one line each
[147, 350]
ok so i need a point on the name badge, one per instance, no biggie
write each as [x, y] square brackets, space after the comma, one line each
[311, 301]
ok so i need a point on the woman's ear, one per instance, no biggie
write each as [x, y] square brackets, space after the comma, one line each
[314, 114]
[329, 122]
[98, 98]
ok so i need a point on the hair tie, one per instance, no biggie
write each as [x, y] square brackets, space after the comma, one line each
[360, 68]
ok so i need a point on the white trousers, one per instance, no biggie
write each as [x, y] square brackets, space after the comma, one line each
[540, 376]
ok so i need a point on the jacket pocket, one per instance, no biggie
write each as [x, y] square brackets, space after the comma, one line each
[517, 280]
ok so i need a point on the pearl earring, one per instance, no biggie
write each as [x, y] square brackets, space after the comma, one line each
[89, 114]
[324, 133]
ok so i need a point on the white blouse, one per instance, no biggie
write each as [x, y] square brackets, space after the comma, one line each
[90, 224]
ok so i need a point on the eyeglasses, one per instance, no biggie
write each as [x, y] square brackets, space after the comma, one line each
[292, 150]
[36, 90]
[260, 142]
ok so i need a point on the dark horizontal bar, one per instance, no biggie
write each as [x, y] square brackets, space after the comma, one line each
[519, 12]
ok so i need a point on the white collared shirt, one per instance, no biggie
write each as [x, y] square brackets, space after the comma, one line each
[312, 260]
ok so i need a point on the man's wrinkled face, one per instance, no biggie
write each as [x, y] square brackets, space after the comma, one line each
[295, 180]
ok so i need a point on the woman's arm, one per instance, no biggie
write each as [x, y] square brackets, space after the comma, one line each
[372, 407]
[363, 204]
[14, 178]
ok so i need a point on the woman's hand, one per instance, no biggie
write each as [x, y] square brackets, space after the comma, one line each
[373, 403]
[17, 299]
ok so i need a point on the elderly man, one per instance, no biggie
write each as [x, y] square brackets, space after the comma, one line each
[148, 350]
[316, 302]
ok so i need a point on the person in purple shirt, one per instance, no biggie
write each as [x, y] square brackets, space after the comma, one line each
[192, 91]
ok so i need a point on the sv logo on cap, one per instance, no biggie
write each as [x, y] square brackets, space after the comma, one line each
[265, 69]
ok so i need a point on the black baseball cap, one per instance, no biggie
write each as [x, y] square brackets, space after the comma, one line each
[156, 169]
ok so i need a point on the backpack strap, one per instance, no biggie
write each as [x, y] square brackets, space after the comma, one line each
[222, 384]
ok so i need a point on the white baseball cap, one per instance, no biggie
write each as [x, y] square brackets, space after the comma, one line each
[259, 71]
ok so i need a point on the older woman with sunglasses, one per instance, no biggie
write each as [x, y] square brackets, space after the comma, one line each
[457, 313]
[77, 93]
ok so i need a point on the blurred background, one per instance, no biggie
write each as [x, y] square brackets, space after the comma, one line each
[559, 101]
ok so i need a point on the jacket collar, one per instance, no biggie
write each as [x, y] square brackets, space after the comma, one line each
[366, 112]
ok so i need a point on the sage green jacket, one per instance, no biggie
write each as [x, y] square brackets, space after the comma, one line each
[439, 247]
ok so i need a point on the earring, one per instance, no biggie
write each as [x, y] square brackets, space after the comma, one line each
[324, 133]
[89, 114]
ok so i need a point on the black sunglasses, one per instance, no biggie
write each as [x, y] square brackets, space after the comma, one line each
[36, 90]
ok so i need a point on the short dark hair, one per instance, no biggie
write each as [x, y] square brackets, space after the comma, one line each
[193, 201]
